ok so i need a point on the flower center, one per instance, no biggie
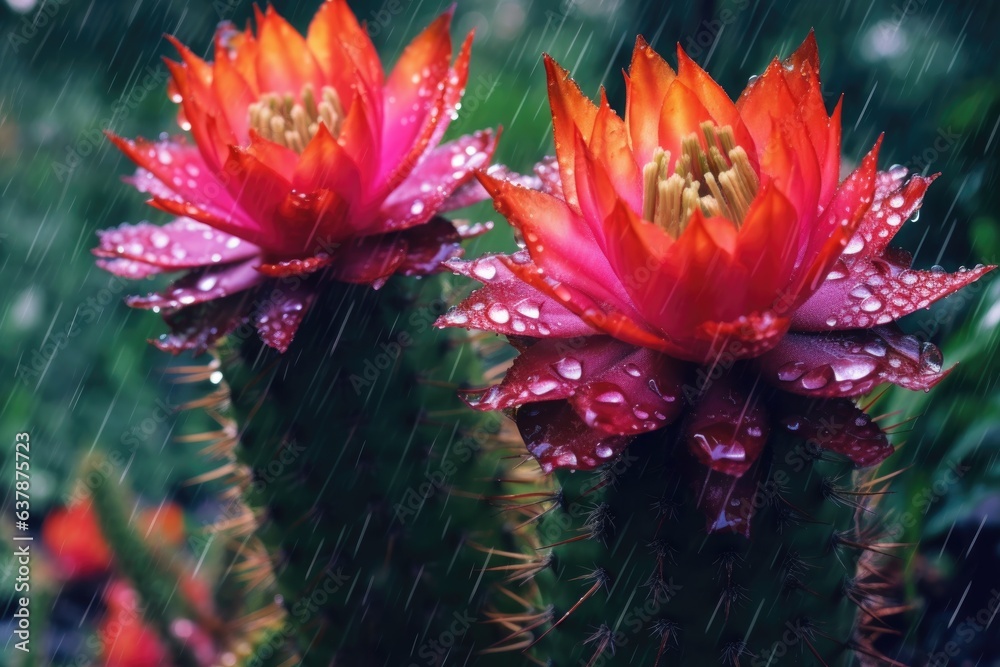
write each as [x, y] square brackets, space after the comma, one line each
[720, 165]
[292, 124]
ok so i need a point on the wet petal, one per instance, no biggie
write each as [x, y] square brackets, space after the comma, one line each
[851, 363]
[836, 425]
[728, 427]
[613, 386]
[180, 244]
[202, 286]
[559, 439]
[198, 327]
[507, 305]
[278, 318]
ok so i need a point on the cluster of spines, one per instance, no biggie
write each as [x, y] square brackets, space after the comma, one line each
[526, 599]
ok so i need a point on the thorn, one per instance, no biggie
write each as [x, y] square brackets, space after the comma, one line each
[601, 578]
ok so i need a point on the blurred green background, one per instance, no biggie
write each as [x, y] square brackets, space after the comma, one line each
[78, 374]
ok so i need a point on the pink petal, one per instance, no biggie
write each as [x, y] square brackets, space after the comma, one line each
[867, 292]
[197, 328]
[728, 428]
[559, 439]
[202, 286]
[509, 306]
[837, 425]
[896, 200]
[279, 317]
[180, 244]
[729, 503]
[296, 267]
[426, 190]
[851, 363]
[128, 268]
[614, 387]
[429, 246]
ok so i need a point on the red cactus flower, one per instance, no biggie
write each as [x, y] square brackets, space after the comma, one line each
[125, 639]
[701, 258]
[307, 161]
[74, 537]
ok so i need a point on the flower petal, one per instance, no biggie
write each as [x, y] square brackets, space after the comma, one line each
[728, 427]
[278, 318]
[572, 112]
[413, 93]
[284, 62]
[507, 305]
[202, 286]
[559, 439]
[198, 327]
[869, 292]
[728, 503]
[614, 387]
[180, 244]
[341, 45]
[646, 86]
[423, 194]
[843, 364]
[836, 425]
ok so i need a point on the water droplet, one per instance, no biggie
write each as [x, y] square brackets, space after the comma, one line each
[817, 378]
[529, 309]
[543, 386]
[207, 283]
[871, 305]
[856, 245]
[612, 397]
[791, 371]
[499, 314]
[569, 368]
[484, 271]
[633, 370]
[604, 451]
[159, 239]
[930, 358]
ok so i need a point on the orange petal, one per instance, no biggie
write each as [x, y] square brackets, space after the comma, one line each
[325, 165]
[765, 98]
[609, 143]
[341, 46]
[715, 100]
[647, 83]
[767, 246]
[235, 96]
[282, 160]
[837, 225]
[571, 110]
[412, 92]
[284, 62]
[682, 113]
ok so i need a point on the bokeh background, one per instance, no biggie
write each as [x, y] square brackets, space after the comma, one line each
[78, 375]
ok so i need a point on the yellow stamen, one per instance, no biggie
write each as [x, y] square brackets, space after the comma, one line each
[279, 118]
[722, 166]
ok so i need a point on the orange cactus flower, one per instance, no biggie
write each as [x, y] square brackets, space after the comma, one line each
[701, 257]
[307, 162]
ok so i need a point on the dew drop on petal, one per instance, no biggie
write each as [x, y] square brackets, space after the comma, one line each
[484, 271]
[791, 371]
[499, 314]
[569, 368]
